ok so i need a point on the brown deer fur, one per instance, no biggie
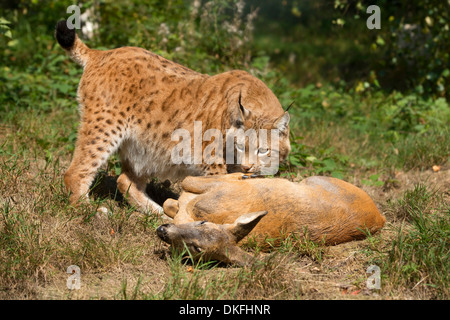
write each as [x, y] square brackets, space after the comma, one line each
[330, 210]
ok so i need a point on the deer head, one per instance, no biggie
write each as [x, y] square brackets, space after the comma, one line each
[212, 241]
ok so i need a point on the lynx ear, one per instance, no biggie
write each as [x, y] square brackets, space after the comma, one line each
[243, 113]
[244, 224]
[282, 123]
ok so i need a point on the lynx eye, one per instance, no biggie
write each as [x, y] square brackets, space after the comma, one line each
[240, 147]
[263, 151]
[203, 222]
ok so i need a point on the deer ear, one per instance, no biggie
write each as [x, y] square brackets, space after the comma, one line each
[282, 122]
[244, 224]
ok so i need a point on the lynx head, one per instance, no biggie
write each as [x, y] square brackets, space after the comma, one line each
[261, 139]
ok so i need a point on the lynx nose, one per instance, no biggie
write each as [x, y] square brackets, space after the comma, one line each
[162, 232]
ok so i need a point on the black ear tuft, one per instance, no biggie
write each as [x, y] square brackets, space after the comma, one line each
[282, 123]
[64, 35]
[243, 113]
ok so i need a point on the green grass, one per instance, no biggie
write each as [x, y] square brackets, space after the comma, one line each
[420, 251]
[265, 279]
[335, 131]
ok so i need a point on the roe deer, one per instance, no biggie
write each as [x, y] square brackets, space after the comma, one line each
[214, 213]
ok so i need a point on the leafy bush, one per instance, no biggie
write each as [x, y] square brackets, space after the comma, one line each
[413, 43]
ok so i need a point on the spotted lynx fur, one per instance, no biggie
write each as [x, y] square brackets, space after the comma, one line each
[132, 100]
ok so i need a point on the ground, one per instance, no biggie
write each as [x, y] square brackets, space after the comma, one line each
[121, 257]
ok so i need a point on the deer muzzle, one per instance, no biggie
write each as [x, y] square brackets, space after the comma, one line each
[163, 233]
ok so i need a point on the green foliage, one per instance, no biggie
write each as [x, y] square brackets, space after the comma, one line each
[205, 36]
[373, 181]
[396, 130]
[413, 43]
[200, 35]
[34, 87]
[4, 27]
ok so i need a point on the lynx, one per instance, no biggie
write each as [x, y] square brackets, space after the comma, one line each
[132, 100]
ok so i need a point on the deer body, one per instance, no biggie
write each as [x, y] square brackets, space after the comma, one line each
[332, 211]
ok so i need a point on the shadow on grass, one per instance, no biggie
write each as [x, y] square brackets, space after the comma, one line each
[105, 187]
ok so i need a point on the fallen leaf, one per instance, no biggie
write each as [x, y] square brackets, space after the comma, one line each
[112, 232]
[436, 168]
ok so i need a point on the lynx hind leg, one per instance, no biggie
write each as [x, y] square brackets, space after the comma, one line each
[89, 155]
[133, 189]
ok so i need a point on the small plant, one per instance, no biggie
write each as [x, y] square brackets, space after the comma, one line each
[187, 279]
[302, 245]
[373, 181]
[294, 243]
